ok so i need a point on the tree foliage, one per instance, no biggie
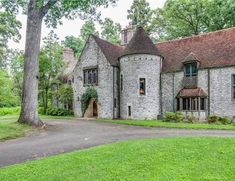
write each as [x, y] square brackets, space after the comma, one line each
[75, 43]
[7, 96]
[50, 64]
[87, 29]
[111, 31]
[9, 29]
[65, 94]
[16, 68]
[180, 18]
[140, 14]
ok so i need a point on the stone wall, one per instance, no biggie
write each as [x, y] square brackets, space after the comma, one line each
[132, 68]
[221, 102]
[93, 56]
[219, 90]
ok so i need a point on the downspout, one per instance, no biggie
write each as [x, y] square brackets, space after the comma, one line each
[119, 94]
[209, 90]
[173, 91]
[161, 113]
[113, 92]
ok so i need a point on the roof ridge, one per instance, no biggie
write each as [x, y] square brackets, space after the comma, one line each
[196, 36]
[97, 37]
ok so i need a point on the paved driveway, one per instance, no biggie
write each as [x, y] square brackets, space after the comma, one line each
[64, 136]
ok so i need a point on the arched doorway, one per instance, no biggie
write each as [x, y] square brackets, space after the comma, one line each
[92, 110]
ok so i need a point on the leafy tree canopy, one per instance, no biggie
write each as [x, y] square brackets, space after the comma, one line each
[7, 96]
[9, 29]
[87, 29]
[111, 31]
[54, 10]
[140, 14]
[180, 18]
[75, 43]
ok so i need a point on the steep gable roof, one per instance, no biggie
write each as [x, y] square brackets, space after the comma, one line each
[141, 44]
[110, 51]
[215, 49]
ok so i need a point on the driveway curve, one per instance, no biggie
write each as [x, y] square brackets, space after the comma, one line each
[65, 136]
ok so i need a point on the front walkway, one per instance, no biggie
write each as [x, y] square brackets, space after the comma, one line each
[65, 136]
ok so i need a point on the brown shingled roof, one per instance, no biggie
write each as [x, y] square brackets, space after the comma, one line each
[215, 49]
[141, 44]
[197, 92]
[110, 51]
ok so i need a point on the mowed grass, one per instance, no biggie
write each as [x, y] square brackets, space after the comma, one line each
[151, 159]
[43, 117]
[10, 130]
[162, 124]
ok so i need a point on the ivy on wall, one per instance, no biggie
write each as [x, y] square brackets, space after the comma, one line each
[85, 98]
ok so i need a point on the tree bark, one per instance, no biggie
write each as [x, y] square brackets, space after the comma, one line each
[29, 111]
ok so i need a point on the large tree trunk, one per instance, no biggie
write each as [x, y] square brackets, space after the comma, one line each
[29, 112]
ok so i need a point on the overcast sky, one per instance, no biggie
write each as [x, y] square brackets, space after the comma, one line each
[118, 14]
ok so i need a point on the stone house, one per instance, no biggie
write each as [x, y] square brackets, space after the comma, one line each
[141, 80]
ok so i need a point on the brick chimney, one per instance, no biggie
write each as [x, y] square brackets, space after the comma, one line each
[68, 55]
[127, 34]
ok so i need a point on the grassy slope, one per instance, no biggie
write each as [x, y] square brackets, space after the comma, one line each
[158, 123]
[153, 159]
[9, 130]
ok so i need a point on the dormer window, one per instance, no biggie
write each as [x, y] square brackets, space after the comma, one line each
[191, 69]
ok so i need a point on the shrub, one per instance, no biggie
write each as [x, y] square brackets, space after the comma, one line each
[9, 111]
[213, 119]
[174, 117]
[170, 117]
[219, 120]
[59, 112]
[41, 110]
[190, 119]
[225, 120]
[179, 117]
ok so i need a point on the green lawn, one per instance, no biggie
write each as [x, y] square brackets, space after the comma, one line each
[10, 130]
[43, 117]
[162, 124]
[153, 159]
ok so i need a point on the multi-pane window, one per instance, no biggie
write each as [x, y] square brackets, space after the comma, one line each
[191, 69]
[191, 103]
[233, 86]
[142, 88]
[90, 76]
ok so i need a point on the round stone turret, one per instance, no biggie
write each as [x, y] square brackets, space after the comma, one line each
[140, 68]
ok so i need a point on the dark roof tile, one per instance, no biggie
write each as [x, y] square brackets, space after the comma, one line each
[110, 51]
[141, 44]
[215, 49]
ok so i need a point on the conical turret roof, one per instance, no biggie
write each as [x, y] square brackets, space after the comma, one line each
[141, 44]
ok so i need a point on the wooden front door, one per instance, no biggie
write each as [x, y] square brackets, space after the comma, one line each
[95, 111]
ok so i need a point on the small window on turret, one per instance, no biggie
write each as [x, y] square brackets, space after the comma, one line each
[142, 87]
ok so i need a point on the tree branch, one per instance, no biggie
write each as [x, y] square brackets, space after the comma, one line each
[44, 10]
